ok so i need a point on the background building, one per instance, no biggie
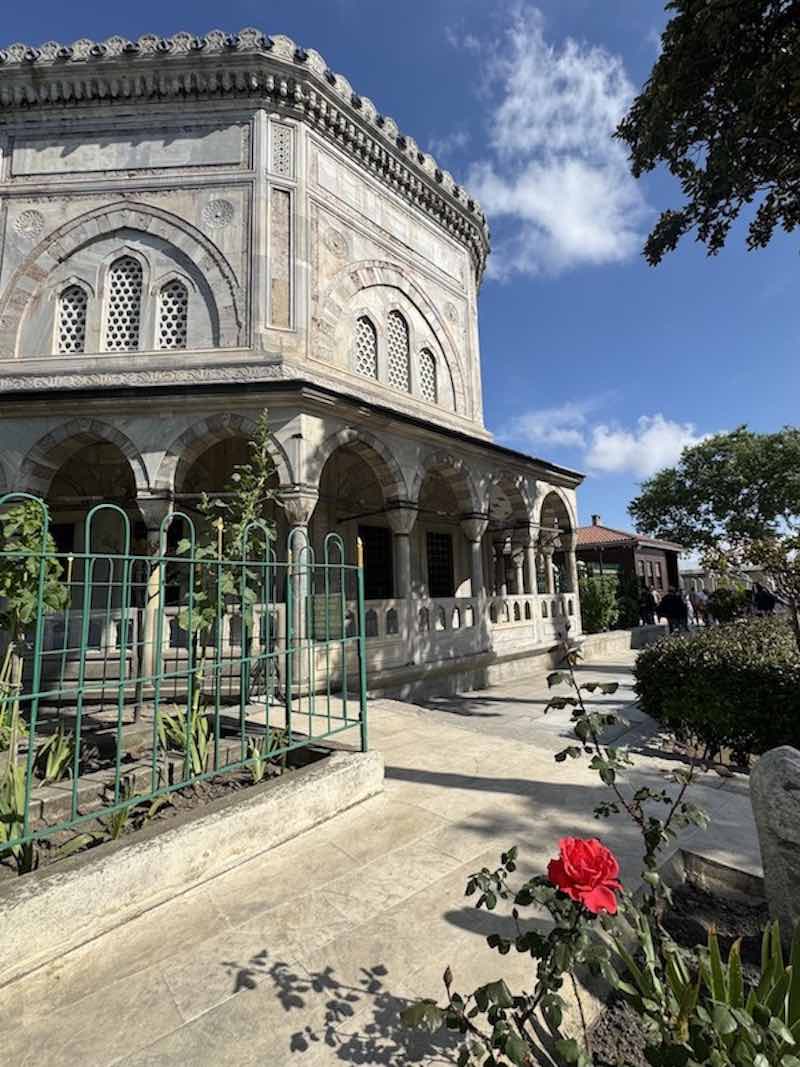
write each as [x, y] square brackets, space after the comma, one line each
[195, 229]
[603, 550]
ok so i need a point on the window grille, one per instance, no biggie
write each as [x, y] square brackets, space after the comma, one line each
[366, 348]
[124, 309]
[428, 386]
[282, 145]
[173, 315]
[399, 369]
[72, 307]
[441, 579]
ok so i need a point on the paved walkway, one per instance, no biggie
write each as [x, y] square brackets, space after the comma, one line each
[307, 954]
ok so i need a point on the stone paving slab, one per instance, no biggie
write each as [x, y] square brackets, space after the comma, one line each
[307, 954]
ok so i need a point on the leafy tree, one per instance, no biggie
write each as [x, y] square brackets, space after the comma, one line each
[30, 579]
[598, 602]
[720, 110]
[221, 558]
[735, 498]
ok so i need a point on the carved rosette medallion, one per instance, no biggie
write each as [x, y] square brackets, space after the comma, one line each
[336, 242]
[451, 313]
[29, 224]
[218, 214]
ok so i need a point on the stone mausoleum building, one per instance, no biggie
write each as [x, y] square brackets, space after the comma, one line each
[195, 229]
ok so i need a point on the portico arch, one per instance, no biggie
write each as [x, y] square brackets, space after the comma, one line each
[54, 449]
[375, 453]
[201, 435]
[455, 473]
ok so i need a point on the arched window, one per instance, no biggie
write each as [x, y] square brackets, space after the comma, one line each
[124, 306]
[173, 315]
[73, 303]
[428, 385]
[397, 346]
[366, 354]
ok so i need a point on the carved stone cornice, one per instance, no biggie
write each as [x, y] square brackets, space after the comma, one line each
[11, 383]
[247, 65]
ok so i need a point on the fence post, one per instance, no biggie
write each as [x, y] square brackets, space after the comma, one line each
[288, 651]
[362, 645]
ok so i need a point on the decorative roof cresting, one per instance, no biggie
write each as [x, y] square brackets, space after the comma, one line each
[122, 69]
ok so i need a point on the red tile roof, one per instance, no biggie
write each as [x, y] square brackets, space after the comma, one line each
[591, 536]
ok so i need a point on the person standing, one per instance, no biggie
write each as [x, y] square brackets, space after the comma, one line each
[673, 609]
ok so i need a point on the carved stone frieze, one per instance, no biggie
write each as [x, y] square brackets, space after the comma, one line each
[143, 378]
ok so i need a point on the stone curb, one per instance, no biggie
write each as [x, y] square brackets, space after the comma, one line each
[52, 911]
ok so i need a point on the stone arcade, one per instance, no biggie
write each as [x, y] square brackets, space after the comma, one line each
[194, 229]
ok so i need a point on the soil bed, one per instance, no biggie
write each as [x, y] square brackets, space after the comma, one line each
[617, 1038]
[99, 831]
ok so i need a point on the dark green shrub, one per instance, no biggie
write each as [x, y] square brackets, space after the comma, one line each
[628, 594]
[598, 602]
[727, 604]
[735, 686]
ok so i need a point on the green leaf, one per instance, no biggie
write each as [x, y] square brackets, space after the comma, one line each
[724, 1022]
[498, 993]
[424, 1015]
[719, 989]
[569, 1049]
[516, 1050]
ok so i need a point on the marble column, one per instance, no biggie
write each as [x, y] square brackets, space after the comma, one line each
[474, 527]
[298, 505]
[402, 518]
[518, 560]
[548, 551]
[531, 584]
[154, 509]
[501, 579]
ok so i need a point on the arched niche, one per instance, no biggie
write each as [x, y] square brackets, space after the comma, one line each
[374, 289]
[78, 251]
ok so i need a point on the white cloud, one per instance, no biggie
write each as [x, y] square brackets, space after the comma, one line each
[562, 426]
[655, 443]
[554, 175]
[449, 143]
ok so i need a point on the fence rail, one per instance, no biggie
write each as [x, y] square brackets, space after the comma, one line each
[125, 677]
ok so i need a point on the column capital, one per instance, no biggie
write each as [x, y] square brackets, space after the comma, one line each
[402, 516]
[298, 503]
[474, 526]
[154, 507]
[548, 550]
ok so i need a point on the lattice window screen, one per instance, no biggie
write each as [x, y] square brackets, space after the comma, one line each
[366, 348]
[173, 315]
[124, 310]
[72, 307]
[282, 150]
[428, 386]
[397, 346]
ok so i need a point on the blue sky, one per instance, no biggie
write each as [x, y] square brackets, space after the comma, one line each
[590, 357]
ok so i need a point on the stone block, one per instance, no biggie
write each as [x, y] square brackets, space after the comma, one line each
[775, 795]
[58, 908]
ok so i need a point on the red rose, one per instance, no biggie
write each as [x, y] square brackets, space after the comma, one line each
[586, 871]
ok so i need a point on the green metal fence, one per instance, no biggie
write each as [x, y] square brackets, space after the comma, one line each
[125, 677]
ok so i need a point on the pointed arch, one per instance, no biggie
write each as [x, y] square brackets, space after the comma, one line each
[454, 471]
[50, 453]
[551, 495]
[63, 242]
[369, 273]
[200, 436]
[375, 454]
